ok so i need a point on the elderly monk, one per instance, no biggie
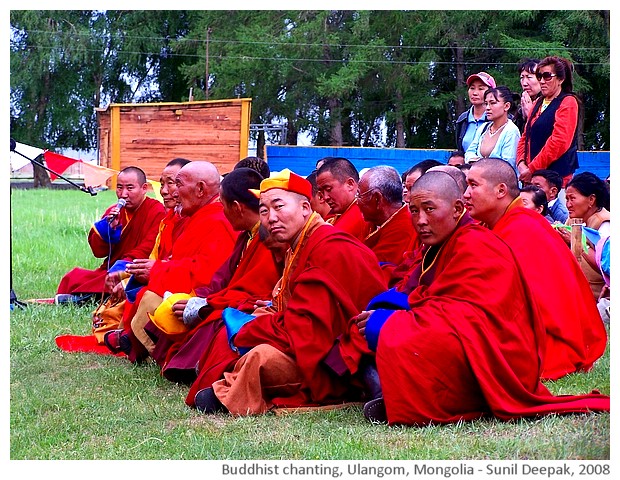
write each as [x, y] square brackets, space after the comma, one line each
[380, 199]
[450, 348]
[575, 333]
[122, 234]
[249, 274]
[207, 239]
[328, 275]
[129, 279]
[337, 180]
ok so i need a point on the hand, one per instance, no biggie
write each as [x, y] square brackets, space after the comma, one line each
[262, 303]
[526, 104]
[361, 320]
[140, 268]
[525, 175]
[178, 308]
[118, 293]
[564, 235]
[111, 281]
[113, 216]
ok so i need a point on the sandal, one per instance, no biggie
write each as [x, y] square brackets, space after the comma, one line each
[117, 341]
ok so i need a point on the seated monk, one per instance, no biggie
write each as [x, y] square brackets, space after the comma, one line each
[337, 180]
[575, 333]
[135, 275]
[206, 239]
[464, 341]
[328, 274]
[380, 199]
[122, 234]
[250, 273]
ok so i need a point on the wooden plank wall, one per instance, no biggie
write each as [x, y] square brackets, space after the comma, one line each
[153, 134]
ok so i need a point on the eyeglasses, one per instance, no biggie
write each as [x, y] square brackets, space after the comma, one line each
[546, 75]
[361, 196]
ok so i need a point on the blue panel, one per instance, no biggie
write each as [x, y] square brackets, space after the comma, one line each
[302, 160]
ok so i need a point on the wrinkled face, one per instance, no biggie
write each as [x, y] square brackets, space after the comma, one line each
[495, 108]
[578, 204]
[338, 195]
[480, 196]
[550, 86]
[434, 218]
[528, 201]
[185, 192]
[129, 188]
[476, 92]
[529, 83]
[550, 190]
[283, 214]
[167, 185]
[365, 200]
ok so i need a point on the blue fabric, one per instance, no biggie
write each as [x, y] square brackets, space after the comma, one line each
[374, 325]
[391, 299]
[605, 258]
[132, 288]
[235, 319]
[108, 234]
[119, 266]
[591, 234]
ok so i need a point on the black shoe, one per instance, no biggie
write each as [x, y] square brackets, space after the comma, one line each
[206, 401]
[372, 384]
[374, 411]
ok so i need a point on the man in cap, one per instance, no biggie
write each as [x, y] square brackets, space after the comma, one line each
[475, 116]
[337, 180]
[448, 347]
[328, 275]
[575, 334]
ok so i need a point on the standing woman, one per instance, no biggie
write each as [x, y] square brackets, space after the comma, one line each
[549, 140]
[531, 91]
[499, 137]
[472, 118]
[587, 198]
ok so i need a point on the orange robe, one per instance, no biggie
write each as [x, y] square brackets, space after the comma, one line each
[470, 344]
[575, 333]
[138, 233]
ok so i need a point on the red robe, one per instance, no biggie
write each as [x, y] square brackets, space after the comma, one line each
[575, 333]
[464, 350]
[207, 239]
[253, 276]
[139, 230]
[352, 221]
[390, 241]
[334, 279]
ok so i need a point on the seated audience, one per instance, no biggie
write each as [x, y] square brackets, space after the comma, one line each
[317, 202]
[415, 172]
[456, 157]
[551, 183]
[534, 198]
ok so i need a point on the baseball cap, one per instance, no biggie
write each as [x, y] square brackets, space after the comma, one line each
[484, 77]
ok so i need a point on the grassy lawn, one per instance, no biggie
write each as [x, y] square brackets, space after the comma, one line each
[83, 406]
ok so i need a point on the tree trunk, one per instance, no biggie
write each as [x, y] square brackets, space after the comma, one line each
[335, 134]
[40, 177]
[400, 123]
[460, 81]
[291, 133]
[260, 145]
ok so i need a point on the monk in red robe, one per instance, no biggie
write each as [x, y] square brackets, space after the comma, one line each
[249, 274]
[122, 234]
[380, 199]
[328, 274]
[464, 341]
[575, 333]
[207, 238]
[337, 180]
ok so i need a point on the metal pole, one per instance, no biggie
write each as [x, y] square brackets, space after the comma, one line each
[207, 65]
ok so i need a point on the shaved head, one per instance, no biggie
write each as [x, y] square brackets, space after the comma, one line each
[496, 171]
[459, 177]
[198, 183]
[440, 183]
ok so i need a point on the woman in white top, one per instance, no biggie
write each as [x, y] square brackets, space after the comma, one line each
[499, 137]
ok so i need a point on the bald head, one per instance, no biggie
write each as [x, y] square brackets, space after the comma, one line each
[496, 171]
[439, 183]
[459, 177]
[198, 184]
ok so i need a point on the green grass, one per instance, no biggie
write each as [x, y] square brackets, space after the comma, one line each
[82, 406]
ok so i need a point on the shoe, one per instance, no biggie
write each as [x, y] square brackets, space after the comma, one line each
[206, 401]
[117, 341]
[374, 411]
[372, 384]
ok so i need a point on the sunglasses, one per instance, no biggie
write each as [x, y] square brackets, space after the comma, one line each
[546, 75]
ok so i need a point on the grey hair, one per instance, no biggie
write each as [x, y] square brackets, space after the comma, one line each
[386, 180]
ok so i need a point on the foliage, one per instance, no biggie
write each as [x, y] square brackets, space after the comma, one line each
[393, 78]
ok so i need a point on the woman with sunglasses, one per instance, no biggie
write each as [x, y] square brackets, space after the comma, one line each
[549, 140]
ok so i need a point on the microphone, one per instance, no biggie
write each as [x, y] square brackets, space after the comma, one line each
[120, 204]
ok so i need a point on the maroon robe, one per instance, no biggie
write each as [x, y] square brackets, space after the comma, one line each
[139, 231]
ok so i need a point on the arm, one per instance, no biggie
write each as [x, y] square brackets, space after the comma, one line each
[509, 145]
[472, 154]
